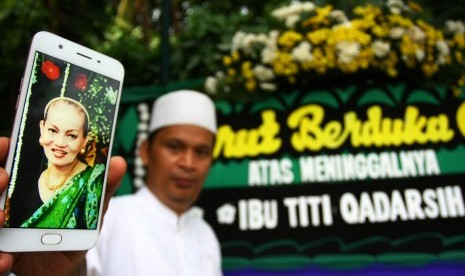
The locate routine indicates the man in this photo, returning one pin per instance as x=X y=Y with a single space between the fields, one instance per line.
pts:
x=156 y=231
x=50 y=263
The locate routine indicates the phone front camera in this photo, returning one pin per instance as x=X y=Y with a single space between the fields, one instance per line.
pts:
x=60 y=46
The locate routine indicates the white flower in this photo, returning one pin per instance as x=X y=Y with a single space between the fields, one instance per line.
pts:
x=139 y=171
x=291 y=14
x=443 y=50
x=268 y=55
x=339 y=16
x=138 y=182
x=420 y=54
x=268 y=86
x=144 y=113
x=272 y=38
x=263 y=73
x=455 y=27
x=142 y=107
x=416 y=34
x=144 y=116
x=210 y=85
x=381 y=48
x=302 y=52
x=347 y=51
x=138 y=162
x=142 y=136
x=143 y=126
x=247 y=42
x=441 y=60
x=396 y=6
x=442 y=47
x=395 y=10
x=291 y=20
x=226 y=214
x=397 y=32
x=296 y=8
x=236 y=42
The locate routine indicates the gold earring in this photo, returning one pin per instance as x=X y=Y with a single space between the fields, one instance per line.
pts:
x=83 y=150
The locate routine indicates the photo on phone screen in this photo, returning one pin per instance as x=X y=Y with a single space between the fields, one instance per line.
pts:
x=62 y=149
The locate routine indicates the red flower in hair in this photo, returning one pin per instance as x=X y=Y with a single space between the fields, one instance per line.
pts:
x=81 y=82
x=50 y=70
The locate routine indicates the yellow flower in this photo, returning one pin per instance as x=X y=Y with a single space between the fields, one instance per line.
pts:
x=429 y=69
x=392 y=72
x=289 y=39
x=321 y=17
x=367 y=11
x=414 y=6
x=235 y=56
x=398 y=20
x=227 y=60
x=283 y=65
x=250 y=85
x=459 y=39
x=461 y=81
x=387 y=41
x=231 y=72
x=319 y=36
x=458 y=56
x=380 y=30
x=291 y=79
x=320 y=62
x=247 y=70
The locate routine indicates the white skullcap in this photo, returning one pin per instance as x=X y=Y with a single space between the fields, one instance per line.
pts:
x=183 y=107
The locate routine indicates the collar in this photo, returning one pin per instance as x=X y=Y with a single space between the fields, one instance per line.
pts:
x=159 y=210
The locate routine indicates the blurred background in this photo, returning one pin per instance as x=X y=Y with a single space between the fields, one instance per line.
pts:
x=158 y=41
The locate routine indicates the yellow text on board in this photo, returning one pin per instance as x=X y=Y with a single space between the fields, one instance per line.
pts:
x=311 y=132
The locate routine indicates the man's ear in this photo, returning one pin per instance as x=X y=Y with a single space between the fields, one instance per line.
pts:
x=144 y=152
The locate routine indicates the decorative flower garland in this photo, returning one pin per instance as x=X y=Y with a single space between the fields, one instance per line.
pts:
x=321 y=41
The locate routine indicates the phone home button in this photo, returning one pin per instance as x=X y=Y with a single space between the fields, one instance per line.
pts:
x=50 y=239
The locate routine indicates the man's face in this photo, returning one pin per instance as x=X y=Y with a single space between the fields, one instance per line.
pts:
x=178 y=160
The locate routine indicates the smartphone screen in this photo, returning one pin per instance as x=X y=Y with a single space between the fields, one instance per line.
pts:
x=62 y=147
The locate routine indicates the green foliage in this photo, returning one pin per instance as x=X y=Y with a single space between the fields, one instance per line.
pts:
x=140 y=57
x=20 y=20
x=200 y=34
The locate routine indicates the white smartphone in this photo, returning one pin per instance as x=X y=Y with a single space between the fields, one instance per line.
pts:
x=60 y=147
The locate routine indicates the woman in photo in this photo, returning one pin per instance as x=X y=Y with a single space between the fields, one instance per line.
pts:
x=69 y=188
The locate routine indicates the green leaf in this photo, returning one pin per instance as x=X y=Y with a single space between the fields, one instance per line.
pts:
x=396 y=91
x=442 y=91
x=126 y=132
x=270 y=103
x=346 y=93
x=224 y=107
x=421 y=96
x=323 y=97
x=375 y=96
x=289 y=98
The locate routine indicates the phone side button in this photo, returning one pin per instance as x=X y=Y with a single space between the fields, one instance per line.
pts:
x=50 y=239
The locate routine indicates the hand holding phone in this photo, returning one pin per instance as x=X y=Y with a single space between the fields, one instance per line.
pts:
x=65 y=262
x=60 y=147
